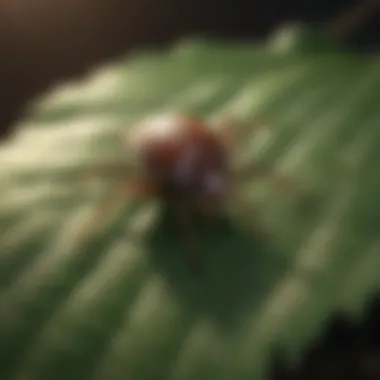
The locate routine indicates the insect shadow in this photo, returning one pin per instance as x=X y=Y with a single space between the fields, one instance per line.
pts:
x=238 y=270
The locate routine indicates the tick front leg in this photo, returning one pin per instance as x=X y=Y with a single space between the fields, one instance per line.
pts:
x=131 y=189
x=257 y=169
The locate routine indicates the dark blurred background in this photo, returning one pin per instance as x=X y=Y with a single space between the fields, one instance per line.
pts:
x=43 y=41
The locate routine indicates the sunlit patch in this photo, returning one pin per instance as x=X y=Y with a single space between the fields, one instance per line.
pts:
x=160 y=127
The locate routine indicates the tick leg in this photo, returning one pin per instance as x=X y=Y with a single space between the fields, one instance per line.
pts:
x=136 y=189
x=114 y=169
x=257 y=169
x=211 y=211
x=245 y=210
x=235 y=135
x=190 y=239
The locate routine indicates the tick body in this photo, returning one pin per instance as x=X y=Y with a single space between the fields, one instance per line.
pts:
x=184 y=160
x=185 y=163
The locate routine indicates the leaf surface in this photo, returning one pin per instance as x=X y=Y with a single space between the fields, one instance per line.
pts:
x=124 y=305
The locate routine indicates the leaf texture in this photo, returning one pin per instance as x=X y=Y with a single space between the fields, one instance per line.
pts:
x=124 y=305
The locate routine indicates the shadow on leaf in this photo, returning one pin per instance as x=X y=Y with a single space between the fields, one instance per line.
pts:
x=238 y=270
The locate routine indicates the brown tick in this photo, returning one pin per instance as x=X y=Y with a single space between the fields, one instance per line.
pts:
x=186 y=164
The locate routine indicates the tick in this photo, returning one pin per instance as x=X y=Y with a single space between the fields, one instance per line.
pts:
x=186 y=163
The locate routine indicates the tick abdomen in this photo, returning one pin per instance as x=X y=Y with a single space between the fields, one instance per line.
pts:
x=183 y=154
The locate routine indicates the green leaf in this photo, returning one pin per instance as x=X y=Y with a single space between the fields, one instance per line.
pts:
x=300 y=38
x=125 y=306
